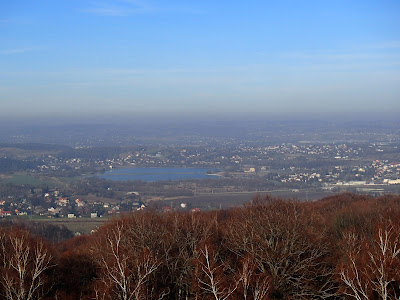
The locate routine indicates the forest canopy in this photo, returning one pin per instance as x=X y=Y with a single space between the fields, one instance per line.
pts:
x=340 y=247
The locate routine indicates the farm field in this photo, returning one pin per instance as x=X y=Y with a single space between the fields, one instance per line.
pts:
x=81 y=225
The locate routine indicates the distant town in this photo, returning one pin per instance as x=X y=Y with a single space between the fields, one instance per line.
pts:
x=338 y=164
x=303 y=162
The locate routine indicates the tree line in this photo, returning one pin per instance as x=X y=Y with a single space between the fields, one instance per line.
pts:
x=341 y=247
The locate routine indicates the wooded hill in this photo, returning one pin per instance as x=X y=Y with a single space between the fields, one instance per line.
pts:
x=341 y=247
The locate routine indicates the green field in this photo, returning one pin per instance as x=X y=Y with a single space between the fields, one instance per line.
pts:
x=23 y=179
x=35 y=180
x=82 y=225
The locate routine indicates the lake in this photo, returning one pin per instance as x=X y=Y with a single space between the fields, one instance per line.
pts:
x=155 y=174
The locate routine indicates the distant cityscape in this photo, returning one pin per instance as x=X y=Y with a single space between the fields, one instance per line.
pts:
x=62 y=180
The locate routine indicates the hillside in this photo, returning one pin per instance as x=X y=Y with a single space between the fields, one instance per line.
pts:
x=339 y=247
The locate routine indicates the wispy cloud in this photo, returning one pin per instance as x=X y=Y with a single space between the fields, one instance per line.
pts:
x=120 y=8
x=123 y=8
x=387 y=45
x=17 y=21
x=387 y=51
x=362 y=59
x=340 y=56
x=19 y=50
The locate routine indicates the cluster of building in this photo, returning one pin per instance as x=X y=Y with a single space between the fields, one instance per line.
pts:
x=234 y=156
x=56 y=205
x=376 y=172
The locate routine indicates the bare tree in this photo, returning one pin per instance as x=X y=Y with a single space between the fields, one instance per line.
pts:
x=372 y=266
x=253 y=286
x=183 y=233
x=351 y=275
x=124 y=273
x=211 y=278
x=286 y=246
x=24 y=263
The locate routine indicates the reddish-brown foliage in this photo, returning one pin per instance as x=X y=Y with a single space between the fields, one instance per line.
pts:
x=342 y=247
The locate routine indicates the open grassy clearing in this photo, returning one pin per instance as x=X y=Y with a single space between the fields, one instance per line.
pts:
x=24 y=179
x=82 y=225
x=19 y=153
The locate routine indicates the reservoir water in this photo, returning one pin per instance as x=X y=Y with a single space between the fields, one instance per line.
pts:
x=155 y=174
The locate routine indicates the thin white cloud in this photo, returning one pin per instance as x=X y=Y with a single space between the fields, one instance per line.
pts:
x=123 y=8
x=341 y=56
x=120 y=8
x=107 y=11
x=139 y=4
x=366 y=58
x=378 y=52
x=387 y=45
x=18 y=21
x=19 y=50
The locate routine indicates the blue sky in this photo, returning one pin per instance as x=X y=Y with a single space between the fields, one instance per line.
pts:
x=116 y=57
